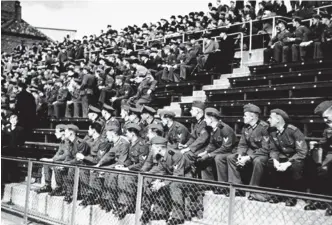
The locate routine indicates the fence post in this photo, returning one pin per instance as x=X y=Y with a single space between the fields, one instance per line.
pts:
x=273 y=26
x=183 y=38
x=139 y=199
x=75 y=193
x=250 y=38
x=231 y=205
x=241 y=49
x=27 y=194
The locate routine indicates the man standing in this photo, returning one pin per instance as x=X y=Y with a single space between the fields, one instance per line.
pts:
x=87 y=89
x=253 y=149
x=322 y=168
x=59 y=156
x=288 y=153
x=177 y=133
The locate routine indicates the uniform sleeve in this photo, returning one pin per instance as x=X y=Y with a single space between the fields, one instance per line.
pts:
x=107 y=158
x=196 y=143
x=229 y=139
x=127 y=93
x=84 y=82
x=92 y=158
x=274 y=152
x=265 y=144
x=143 y=153
x=301 y=147
x=183 y=133
x=191 y=56
x=243 y=146
x=211 y=147
x=179 y=167
x=148 y=163
x=122 y=155
x=62 y=153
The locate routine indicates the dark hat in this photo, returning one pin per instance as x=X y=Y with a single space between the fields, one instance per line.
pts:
x=317 y=16
x=322 y=107
x=133 y=126
x=198 y=104
x=113 y=128
x=72 y=127
x=61 y=127
x=167 y=113
x=94 y=109
x=148 y=109
x=156 y=126
x=281 y=113
x=159 y=141
x=108 y=108
x=282 y=21
x=172 y=17
x=251 y=108
x=120 y=77
x=212 y=112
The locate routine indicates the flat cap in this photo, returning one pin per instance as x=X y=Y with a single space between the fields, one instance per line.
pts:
x=72 y=127
x=94 y=109
x=198 y=104
x=108 y=107
x=281 y=113
x=251 y=108
x=322 y=107
x=133 y=126
x=167 y=113
x=148 y=109
x=213 y=112
x=156 y=126
x=113 y=128
x=60 y=127
x=159 y=141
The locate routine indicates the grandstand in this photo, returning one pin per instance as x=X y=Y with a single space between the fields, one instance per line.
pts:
x=296 y=87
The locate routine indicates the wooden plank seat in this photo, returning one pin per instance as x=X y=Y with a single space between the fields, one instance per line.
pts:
x=185 y=87
x=281 y=78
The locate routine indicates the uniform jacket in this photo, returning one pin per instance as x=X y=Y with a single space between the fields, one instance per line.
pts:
x=138 y=152
x=326 y=142
x=289 y=144
x=118 y=154
x=211 y=46
x=177 y=133
x=280 y=37
x=190 y=58
x=63 y=95
x=222 y=140
x=88 y=84
x=170 y=59
x=301 y=34
x=96 y=153
x=51 y=95
x=148 y=83
x=317 y=32
x=77 y=146
x=254 y=140
x=62 y=152
x=199 y=137
x=125 y=91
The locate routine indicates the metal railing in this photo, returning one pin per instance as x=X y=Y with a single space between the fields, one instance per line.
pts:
x=205 y=202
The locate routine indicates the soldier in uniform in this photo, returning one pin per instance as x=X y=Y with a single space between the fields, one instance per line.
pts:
x=253 y=150
x=74 y=105
x=288 y=153
x=87 y=89
x=51 y=95
x=147 y=118
x=176 y=132
x=76 y=145
x=123 y=92
x=117 y=157
x=320 y=182
x=189 y=62
x=107 y=88
x=170 y=162
x=138 y=152
x=277 y=43
x=221 y=143
x=59 y=156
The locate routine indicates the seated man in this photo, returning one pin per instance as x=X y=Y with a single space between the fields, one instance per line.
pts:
x=210 y=46
x=147 y=118
x=321 y=183
x=167 y=74
x=274 y=52
x=221 y=144
x=123 y=91
x=177 y=133
x=288 y=153
x=107 y=88
x=253 y=150
x=60 y=104
x=189 y=62
x=59 y=156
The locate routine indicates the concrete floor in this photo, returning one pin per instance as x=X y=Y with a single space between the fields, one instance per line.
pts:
x=10 y=219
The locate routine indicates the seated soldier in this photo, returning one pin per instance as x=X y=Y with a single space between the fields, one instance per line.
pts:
x=76 y=145
x=210 y=46
x=110 y=120
x=59 y=105
x=147 y=118
x=107 y=88
x=321 y=168
x=288 y=153
x=59 y=156
x=252 y=152
x=156 y=192
x=74 y=104
x=275 y=52
x=189 y=62
x=176 y=132
x=127 y=188
x=167 y=74
x=221 y=144
x=116 y=157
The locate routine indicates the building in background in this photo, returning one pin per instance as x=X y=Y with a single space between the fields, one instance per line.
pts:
x=57 y=34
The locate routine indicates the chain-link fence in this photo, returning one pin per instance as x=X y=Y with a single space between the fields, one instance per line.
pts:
x=82 y=195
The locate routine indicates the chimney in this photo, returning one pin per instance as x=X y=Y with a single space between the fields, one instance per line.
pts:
x=18 y=11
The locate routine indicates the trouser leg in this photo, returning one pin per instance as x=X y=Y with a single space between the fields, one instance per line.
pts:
x=221 y=166
x=234 y=175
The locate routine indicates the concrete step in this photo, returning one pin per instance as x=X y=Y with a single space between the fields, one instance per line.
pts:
x=215 y=87
x=188 y=99
x=199 y=94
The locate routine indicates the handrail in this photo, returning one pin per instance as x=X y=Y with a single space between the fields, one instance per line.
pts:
x=322 y=7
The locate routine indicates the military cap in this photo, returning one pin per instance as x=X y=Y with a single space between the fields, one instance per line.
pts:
x=213 y=112
x=113 y=128
x=133 y=126
x=148 y=109
x=167 y=113
x=108 y=107
x=156 y=126
x=172 y=17
x=281 y=113
x=198 y=104
x=251 y=108
x=72 y=127
x=282 y=21
x=322 y=107
x=94 y=109
x=61 y=127
x=159 y=141
x=144 y=53
x=120 y=77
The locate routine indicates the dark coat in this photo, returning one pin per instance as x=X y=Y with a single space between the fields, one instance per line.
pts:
x=26 y=109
